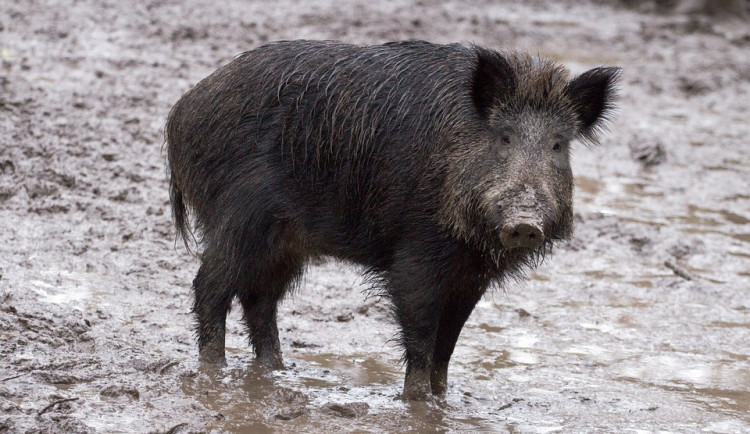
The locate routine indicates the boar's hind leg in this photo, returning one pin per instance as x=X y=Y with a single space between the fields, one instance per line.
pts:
x=213 y=299
x=457 y=307
x=259 y=300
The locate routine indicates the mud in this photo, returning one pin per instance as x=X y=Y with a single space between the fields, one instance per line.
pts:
x=641 y=323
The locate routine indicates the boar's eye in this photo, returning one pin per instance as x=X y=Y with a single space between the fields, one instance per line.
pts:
x=505 y=139
x=556 y=146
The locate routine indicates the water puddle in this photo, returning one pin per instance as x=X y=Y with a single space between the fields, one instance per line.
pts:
x=718 y=387
x=298 y=399
x=59 y=294
x=67 y=286
x=588 y=186
x=729 y=324
x=360 y=370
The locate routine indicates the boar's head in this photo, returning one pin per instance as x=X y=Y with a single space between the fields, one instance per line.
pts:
x=509 y=183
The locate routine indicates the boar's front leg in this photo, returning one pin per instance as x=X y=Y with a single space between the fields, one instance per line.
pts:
x=414 y=290
x=458 y=302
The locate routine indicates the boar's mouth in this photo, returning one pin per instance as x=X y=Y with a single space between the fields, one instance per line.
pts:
x=524 y=252
x=528 y=234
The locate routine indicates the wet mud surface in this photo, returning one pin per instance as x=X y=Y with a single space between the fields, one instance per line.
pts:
x=640 y=323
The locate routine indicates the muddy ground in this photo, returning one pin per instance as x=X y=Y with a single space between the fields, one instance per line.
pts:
x=641 y=323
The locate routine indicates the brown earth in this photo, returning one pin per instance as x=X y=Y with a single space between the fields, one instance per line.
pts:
x=641 y=323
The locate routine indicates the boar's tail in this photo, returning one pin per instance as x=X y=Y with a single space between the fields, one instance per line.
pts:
x=180 y=213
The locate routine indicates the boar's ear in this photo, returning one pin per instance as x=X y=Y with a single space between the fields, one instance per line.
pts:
x=493 y=80
x=593 y=94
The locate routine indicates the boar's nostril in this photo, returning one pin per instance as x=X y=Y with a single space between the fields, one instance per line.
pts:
x=521 y=234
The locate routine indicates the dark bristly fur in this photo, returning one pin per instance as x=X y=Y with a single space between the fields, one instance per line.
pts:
x=413 y=159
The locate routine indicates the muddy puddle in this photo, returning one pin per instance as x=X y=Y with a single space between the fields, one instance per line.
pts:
x=641 y=323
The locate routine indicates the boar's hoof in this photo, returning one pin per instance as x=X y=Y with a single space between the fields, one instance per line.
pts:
x=522 y=234
x=271 y=361
x=417 y=393
x=212 y=359
x=417 y=386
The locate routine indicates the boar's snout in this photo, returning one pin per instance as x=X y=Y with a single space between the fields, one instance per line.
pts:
x=521 y=233
x=521 y=214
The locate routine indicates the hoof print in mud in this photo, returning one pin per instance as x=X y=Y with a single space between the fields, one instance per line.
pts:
x=349 y=410
x=438 y=168
x=291 y=413
x=118 y=391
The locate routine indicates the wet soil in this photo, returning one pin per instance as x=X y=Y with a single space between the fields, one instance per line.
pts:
x=641 y=323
